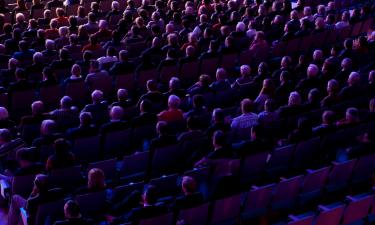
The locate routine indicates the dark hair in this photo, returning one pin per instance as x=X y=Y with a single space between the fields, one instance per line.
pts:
x=150 y=194
x=72 y=208
x=220 y=138
x=61 y=146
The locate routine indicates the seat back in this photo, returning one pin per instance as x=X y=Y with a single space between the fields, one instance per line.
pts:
x=340 y=174
x=226 y=209
x=195 y=216
x=125 y=81
x=308 y=220
x=315 y=180
x=364 y=169
x=87 y=148
x=167 y=72
x=21 y=100
x=330 y=216
x=77 y=91
x=189 y=72
x=286 y=192
x=280 y=159
x=252 y=166
x=22 y=185
x=229 y=61
x=166 y=219
x=107 y=166
x=146 y=75
x=53 y=209
x=258 y=199
x=121 y=192
x=50 y=95
x=209 y=66
x=117 y=143
x=305 y=153
x=92 y=203
x=134 y=164
x=68 y=178
x=166 y=160
x=167 y=185
x=357 y=209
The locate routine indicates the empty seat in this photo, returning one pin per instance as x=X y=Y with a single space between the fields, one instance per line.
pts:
x=340 y=175
x=329 y=215
x=257 y=201
x=357 y=209
x=22 y=185
x=93 y=203
x=134 y=166
x=209 y=66
x=123 y=191
x=165 y=160
x=306 y=152
x=280 y=159
x=286 y=193
x=194 y=216
x=313 y=184
x=125 y=81
x=167 y=185
x=229 y=61
x=117 y=143
x=167 y=72
x=253 y=166
x=363 y=169
x=227 y=209
x=189 y=72
x=69 y=178
x=87 y=148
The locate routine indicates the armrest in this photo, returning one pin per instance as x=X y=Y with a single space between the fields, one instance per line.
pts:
x=23 y=216
x=5 y=187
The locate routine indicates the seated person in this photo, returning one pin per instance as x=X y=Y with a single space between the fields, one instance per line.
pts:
x=198 y=107
x=221 y=149
x=190 y=198
x=173 y=113
x=146 y=117
x=95 y=182
x=116 y=123
x=85 y=129
x=98 y=109
x=351 y=118
x=218 y=123
x=327 y=126
x=40 y=194
x=163 y=139
x=73 y=215
x=193 y=132
x=62 y=158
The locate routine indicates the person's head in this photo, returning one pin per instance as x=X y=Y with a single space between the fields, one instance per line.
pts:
x=152 y=86
x=285 y=62
x=38 y=58
x=314 y=95
x=173 y=102
x=268 y=86
x=319 y=23
x=174 y=83
x=122 y=94
x=61 y=146
x=37 y=107
x=48 y=74
x=97 y=96
x=150 y=195
x=12 y=63
x=4 y=115
x=94 y=65
x=219 y=139
x=204 y=80
x=345 y=16
x=190 y=51
x=20 y=18
x=73 y=22
x=328 y=117
x=20 y=74
x=124 y=55
x=72 y=210
x=85 y=118
x=221 y=74
x=48 y=127
x=66 y=102
x=348 y=43
x=189 y=185
x=23 y=46
x=245 y=71
x=24 y=157
x=218 y=115
x=354 y=78
x=352 y=115
x=307 y=11
x=333 y=86
x=40 y=183
x=318 y=55
x=63 y=31
x=53 y=24
x=64 y=54
x=5 y=136
x=60 y=12
x=76 y=70
x=96 y=179
x=115 y=5
x=246 y=106
x=87 y=55
x=346 y=64
x=294 y=99
x=162 y=128
x=312 y=71
x=116 y=113
x=50 y=44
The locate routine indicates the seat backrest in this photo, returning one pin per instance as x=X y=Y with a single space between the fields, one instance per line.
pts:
x=120 y=192
x=166 y=219
x=66 y=178
x=116 y=143
x=305 y=152
x=167 y=185
x=340 y=173
x=87 y=148
x=315 y=180
x=357 y=209
x=286 y=191
x=107 y=166
x=189 y=71
x=258 y=199
x=22 y=185
x=226 y=209
x=364 y=169
x=308 y=220
x=253 y=165
x=125 y=81
x=166 y=160
x=197 y=215
x=280 y=158
x=330 y=216
x=92 y=203
x=146 y=75
x=22 y=99
x=167 y=72
x=77 y=90
x=50 y=95
x=53 y=209
x=209 y=66
x=133 y=164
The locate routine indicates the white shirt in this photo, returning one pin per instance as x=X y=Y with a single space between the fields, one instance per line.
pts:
x=244 y=121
